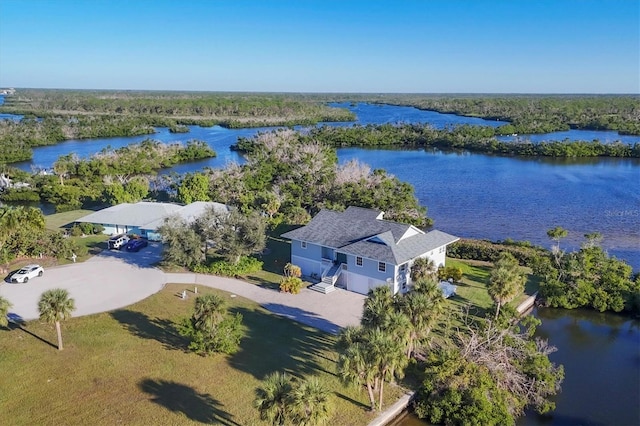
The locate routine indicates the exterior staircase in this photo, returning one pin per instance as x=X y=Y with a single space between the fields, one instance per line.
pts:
x=327 y=285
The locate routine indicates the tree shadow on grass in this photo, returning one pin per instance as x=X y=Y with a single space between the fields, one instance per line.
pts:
x=16 y=322
x=353 y=401
x=305 y=317
x=162 y=330
x=273 y=343
x=180 y=398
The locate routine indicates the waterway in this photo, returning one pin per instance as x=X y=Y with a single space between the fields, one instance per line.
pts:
x=469 y=195
x=482 y=196
x=601 y=358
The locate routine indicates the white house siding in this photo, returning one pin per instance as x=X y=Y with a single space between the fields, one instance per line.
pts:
x=357 y=283
x=438 y=256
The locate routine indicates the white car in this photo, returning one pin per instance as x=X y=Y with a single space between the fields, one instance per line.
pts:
x=26 y=273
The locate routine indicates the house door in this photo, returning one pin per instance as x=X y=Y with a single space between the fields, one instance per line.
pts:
x=341 y=258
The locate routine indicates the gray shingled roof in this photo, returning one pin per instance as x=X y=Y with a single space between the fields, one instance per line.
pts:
x=352 y=232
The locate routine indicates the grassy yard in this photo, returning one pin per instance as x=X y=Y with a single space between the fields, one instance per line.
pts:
x=62 y=220
x=129 y=367
x=472 y=290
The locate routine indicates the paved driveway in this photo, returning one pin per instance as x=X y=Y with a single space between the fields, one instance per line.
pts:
x=105 y=282
x=115 y=279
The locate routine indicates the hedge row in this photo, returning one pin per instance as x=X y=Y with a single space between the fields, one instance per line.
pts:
x=489 y=251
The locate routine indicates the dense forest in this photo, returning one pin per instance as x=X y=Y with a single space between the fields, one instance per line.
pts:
x=226 y=109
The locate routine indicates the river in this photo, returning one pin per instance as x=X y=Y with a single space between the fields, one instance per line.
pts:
x=483 y=196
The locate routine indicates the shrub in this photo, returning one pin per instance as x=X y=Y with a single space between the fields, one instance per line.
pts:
x=291 y=285
x=76 y=231
x=19 y=194
x=489 y=251
x=452 y=272
x=291 y=270
x=246 y=265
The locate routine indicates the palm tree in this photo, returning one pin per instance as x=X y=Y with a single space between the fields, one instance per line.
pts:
x=377 y=306
x=310 y=403
x=506 y=280
x=398 y=327
x=273 y=398
x=354 y=366
x=423 y=268
x=387 y=356
x=55 y=305
x=209 y=311
x=422 y=308
x=4 y=311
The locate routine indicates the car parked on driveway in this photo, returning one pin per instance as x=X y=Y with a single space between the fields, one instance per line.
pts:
x=118 y=242
x=136 y=244
x=25 y=273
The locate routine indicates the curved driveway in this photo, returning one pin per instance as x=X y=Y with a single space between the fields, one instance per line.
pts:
x=113 y=280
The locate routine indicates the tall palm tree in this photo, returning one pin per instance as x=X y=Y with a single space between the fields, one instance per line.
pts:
x=387 y=356
x=423 y=310
x=209 y=311
x=377 y=306
x=354 y=366
x=506 y=280
x=273 y=398
x=4 y=311
x=54 y=306
x=310 y=403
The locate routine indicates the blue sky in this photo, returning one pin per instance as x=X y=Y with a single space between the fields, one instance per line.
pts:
x=449 y=46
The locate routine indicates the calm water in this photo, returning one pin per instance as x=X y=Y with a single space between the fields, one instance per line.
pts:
x=481 y=196
x=469 y=195
x=601 y=358
x=472 y=195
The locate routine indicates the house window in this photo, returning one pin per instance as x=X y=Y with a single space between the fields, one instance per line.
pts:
x=382 y=267
x=442 y=249
x=358 y=261
x=303 y=244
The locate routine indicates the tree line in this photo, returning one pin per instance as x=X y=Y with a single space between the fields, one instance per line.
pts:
x=534 y=113
x=464 y=137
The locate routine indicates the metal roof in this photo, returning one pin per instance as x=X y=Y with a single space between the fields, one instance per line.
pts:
x=147 y=215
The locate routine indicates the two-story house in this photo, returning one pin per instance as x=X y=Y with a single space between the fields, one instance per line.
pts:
x=359 y=250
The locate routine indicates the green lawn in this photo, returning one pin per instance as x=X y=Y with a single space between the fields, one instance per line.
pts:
x=61 y=220
x=472 y=290
x=130 y=367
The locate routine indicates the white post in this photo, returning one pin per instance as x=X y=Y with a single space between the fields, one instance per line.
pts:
x=184 y=294
x=195 y=290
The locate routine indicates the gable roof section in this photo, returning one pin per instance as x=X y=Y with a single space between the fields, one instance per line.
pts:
x=362 y=232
